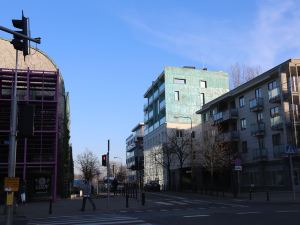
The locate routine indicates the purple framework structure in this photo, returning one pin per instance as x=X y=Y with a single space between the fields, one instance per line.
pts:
x=36 y=157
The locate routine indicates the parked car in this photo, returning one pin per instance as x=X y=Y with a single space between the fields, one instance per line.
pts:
x=152 y=186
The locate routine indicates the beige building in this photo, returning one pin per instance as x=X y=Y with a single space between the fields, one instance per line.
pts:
x=258 y=123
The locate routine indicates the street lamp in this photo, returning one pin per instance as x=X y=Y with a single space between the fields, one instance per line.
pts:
x=191 y=143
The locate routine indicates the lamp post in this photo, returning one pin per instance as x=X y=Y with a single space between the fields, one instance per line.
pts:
x=191 y=144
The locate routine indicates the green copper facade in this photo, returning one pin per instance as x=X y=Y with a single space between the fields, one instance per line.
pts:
x=181 y=91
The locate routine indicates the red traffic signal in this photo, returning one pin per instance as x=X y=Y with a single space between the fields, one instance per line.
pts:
x=104 y=160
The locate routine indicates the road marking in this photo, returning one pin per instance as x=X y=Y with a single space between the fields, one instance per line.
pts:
x=123 y=211
x=164 y=203
x=179 y=203
x=201 y=208
x=138 y=211
x=176 y=209
x=192 y=216
x=287 y=211
x=232 y=205
x=163 y=210
x=244 y=213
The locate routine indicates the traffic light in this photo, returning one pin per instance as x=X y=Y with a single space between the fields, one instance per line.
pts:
x=19 y=43
x=103 y=160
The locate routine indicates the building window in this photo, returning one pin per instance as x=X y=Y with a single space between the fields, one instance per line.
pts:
x=179 y=133
x=260 y=117
x=261 y=143
x=274 y=111
x=202 y=97
x=179 y=81
x=244 y=147
x=272 y=85
x=276 y=140
x=242 y=101
x=203 y=84
x=243 y=124
x=258 y=93
x=176 y=95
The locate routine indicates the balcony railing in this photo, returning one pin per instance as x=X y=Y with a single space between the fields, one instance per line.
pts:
x=260 y=154
x=258 y=129
x=276 y=123
x=228 y=136
x=256 y=104
x=275 y=95
x=278 y=151
x=225 y=115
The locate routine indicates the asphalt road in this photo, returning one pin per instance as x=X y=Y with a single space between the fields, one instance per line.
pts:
x=186 y=209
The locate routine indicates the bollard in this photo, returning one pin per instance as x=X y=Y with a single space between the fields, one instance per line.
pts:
x=143 y=198
x=127 y=200
x=250 y=195
x=268 y=196
x=50 y=205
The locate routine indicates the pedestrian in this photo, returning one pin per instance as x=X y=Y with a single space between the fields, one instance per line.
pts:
x=87 y=189
x=23 y=192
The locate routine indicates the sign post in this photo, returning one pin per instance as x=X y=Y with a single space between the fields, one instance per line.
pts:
x=290 y=150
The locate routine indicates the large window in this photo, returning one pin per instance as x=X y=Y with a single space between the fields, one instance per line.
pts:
x=176 y=95
x=272 y=85
x=260 y=117
x=243 y=124
x=261 y=143
x=242 y=101
x=276 y=140
x=179 y=81
x=179 y=133
x=274 y=111
x=203 y=84
x=202 y=97
x=244 y=147
x=258 y=93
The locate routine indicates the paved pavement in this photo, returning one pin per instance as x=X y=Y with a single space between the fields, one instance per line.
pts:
x=168 y=208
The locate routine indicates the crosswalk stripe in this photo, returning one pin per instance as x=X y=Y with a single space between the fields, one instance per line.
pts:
x=164 y=203
x=179 y=203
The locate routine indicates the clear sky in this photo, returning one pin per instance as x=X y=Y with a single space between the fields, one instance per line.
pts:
x=110 y=51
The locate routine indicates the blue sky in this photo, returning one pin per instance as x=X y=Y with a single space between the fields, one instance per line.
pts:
x=110 y=51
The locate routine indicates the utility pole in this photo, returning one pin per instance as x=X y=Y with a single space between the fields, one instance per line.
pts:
x=108 y=173
x=20 y=43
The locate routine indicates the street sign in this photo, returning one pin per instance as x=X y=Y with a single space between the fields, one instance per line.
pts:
x=11 y=183
x=238 y=168
x=9 y=198
x=290 y=149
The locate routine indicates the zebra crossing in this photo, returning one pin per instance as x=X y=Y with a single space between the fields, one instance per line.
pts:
x=88 y=220
x=186 y=202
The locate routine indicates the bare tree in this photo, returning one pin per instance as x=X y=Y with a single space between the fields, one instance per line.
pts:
x=240 y=74
x=162 y=155
x=180 y=144
x=213 y=154
x=88 y=164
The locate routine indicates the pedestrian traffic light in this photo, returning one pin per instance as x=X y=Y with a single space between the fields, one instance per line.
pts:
x=20 y=43
x=103 y=160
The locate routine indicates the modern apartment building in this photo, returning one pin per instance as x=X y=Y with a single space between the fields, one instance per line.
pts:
x=44 y=161
x=171 y=103
x=258 y=123
x=135 y=154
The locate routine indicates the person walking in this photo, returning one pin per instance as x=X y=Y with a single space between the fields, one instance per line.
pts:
x=86 y=191
x=23 y=192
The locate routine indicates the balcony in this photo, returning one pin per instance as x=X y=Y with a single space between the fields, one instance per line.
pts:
x=276 y=123
x=258 y=129
x=278 y=151
x=275 y=95
x=230 y=136
x=225 y=116
x=260 y=154
x=145 y=106
x=256 y=104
